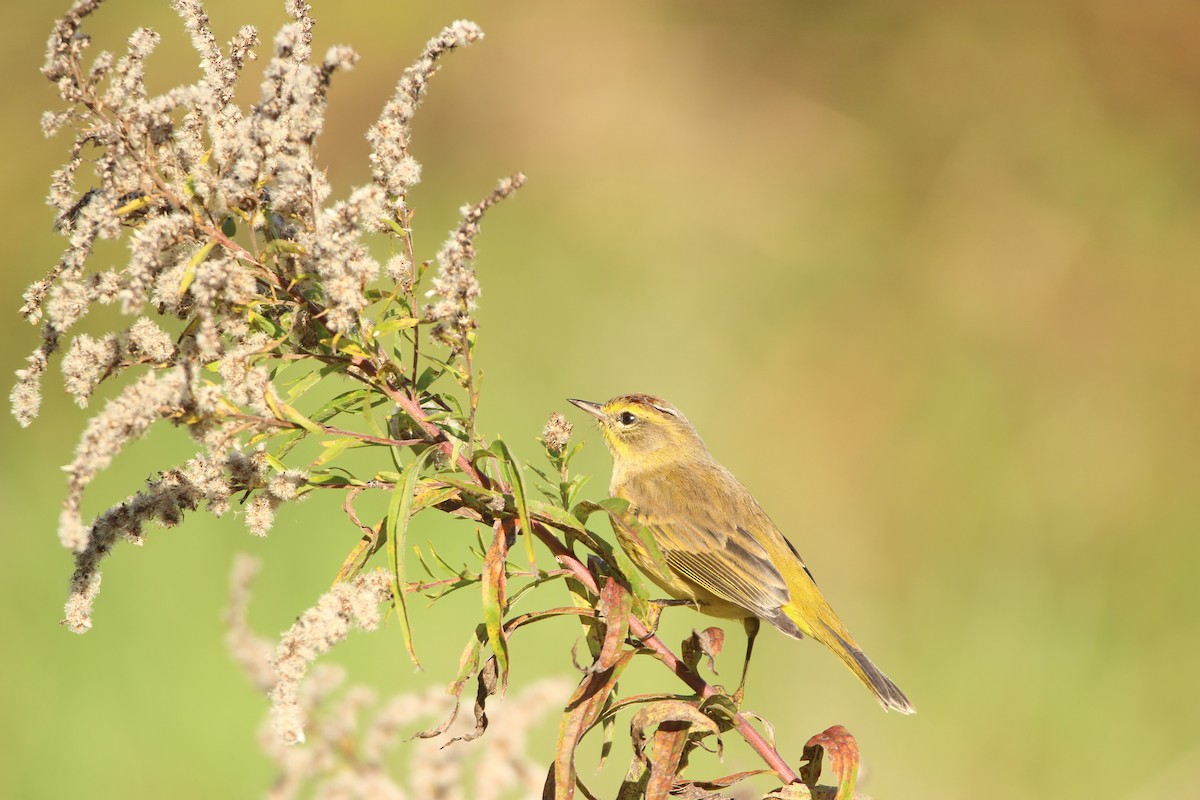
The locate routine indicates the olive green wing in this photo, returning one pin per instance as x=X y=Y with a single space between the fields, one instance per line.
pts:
x=727 y=562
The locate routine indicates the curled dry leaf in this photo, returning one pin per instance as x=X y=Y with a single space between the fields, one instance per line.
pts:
x=705 y=644
x=487 y=685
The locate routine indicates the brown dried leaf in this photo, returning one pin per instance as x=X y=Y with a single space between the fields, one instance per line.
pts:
x=687 y=790
x=703 y=644
x=792 y=791
x=798 y=791
x=486 y=686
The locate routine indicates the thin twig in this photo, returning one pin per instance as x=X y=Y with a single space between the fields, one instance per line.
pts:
x=283 y=423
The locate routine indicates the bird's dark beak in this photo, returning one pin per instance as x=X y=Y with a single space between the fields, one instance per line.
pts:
x=595 y=409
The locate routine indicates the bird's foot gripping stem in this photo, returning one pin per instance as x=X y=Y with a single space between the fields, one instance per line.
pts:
x=656 y=608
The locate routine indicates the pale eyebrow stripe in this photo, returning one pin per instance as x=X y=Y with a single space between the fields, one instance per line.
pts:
x=670 y=411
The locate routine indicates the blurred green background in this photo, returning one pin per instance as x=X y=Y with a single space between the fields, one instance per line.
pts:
x=924 y=275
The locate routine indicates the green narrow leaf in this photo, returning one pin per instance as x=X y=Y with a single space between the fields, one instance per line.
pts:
x=395 y=324
x=516 y=477
x=303 y=384
x=284 y=411
x=334 y=448
x=372 y=424
x=428 y=376
x=189 y=271
x=399 y=510
x=542 y=578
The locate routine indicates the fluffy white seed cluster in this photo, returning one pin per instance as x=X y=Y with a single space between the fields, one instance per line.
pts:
x=349 y=733
x=455 y=286
x=170 y=166
x=351 y=604
x=260 y=511
x=394 y=169
x=200 y=480
x=230 y=233
x=557 y=433
x=88 y=361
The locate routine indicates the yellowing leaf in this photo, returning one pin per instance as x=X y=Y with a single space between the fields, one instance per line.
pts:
x=494 y=584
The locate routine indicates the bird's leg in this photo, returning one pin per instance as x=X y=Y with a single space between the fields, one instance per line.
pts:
x=751 y=624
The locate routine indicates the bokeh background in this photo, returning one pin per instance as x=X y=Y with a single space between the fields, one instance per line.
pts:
x=924 y=274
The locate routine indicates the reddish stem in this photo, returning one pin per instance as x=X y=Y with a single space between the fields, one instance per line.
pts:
x=753 y=738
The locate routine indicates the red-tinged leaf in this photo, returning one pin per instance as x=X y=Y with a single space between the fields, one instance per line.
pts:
x=667 y=750
x=672 y=722
x=842 y=750
x=614 y=607
x=582 y=712
x=495 y=601
x=618 y=706
x=703 y=644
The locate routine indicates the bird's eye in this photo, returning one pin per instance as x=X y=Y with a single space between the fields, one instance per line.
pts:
x=626 y=418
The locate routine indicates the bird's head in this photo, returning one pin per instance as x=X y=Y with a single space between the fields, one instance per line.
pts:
x=643 y=431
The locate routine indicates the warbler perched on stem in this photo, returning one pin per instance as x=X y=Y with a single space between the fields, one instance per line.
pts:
x=718 y=549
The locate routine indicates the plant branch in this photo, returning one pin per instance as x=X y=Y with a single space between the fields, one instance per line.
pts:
x=748 y=732
x=283 y=423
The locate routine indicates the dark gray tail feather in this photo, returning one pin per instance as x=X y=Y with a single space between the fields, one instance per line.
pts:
x=888 y=693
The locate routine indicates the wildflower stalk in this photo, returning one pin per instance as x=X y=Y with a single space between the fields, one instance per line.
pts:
x=249 y=288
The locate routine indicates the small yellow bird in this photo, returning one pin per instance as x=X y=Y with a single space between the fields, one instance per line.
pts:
x=722 y=552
